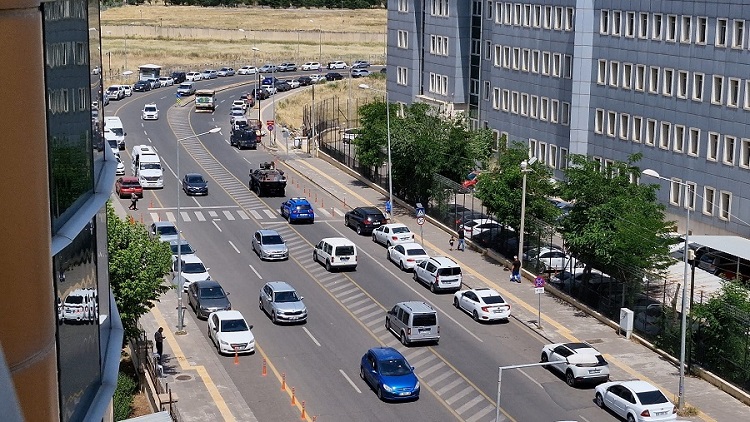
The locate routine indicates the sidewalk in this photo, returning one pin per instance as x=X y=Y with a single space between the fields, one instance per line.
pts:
x=560 y=321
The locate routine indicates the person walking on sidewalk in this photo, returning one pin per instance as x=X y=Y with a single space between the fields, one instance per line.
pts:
x=515 y=274
x=133 y=202
x=159 y=342
x=461 y=241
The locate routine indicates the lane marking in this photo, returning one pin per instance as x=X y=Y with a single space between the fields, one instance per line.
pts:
x=531 y=378
x=311 y=336
x=196 y=201
x=232 y=245
x=354 y=386
x=255 y=271
x=217 y=226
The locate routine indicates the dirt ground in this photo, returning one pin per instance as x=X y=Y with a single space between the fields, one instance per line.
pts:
x=141 y=405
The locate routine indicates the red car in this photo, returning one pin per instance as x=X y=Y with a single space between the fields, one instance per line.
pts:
x=471 y=180
x=125 y=186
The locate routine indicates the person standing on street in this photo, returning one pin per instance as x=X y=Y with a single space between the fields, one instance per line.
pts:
x=451 y=240
x=133 y=202
x=461 y=241
x=515 y=274
x=159 y=342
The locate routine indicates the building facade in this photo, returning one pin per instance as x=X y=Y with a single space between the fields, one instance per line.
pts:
x=60 y=332
x=603 y=78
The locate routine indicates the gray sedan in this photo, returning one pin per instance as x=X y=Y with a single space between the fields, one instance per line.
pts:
x=207 y=296
x=269 y=245
x=280 y=301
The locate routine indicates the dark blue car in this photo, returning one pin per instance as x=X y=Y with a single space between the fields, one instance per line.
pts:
x=297 y=210
x=194 y=184
x=387 y=372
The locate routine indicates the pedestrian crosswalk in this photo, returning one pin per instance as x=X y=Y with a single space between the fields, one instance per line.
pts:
x=194 y=214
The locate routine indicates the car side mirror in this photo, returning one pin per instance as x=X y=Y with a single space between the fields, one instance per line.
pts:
x=412 y=368
x=250 y=327
x=207 y=269
x=301 y=298
x=227 y=293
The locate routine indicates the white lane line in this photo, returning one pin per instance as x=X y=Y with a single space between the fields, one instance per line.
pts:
x=532 y=379
x=196 y=201
x=354 y=386
x=256 y=215
x=248 y=161
x=311 y=336
x=171 y=171
x=149 y=139
x=243 y=215
x=154 y=216
x=213 y=214
x=255 y=271
x=199 y=215
x=232 y=245
x=217 y=226
x=170 y=217
x=270 y=213
x=228 y=215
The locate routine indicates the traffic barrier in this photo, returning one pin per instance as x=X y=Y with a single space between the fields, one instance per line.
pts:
x=141 y=218
x=304 y=414
x=283 y=381
x=151 y=204
x=294 y=399
x=236 y=357
x=264 y=371
x=316 y=197
x=321 y=203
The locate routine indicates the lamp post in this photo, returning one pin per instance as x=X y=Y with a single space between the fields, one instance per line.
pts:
x=683 y=328
x=388 y=131
x=257 y=87
x=180 y=281
x=525 y=169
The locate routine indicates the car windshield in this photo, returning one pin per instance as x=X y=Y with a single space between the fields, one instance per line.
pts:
x=234 y=325
x=130 y=184
x=195 y=179
x=303 y=207
x=491 y=300
x=651 y=397
x=273 y=239
x=424 y=320
x=449 y=271
x=117 y=131
x=212 y=293
x=394 y=367
x=416 y=251
x=150 y=166
x=185 y=86
x=71 y=300
x=113 y=89
x=193 y=268
x=184 y=249
x=150 y=109
x=166 y=230
x=401 y=230
x=112 y=143
x=281 y=297
x=344 y=250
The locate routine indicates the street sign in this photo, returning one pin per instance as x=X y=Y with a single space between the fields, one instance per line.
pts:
x=420 y=212
x=270 y=128
x=539 y=290
x=539 y=281
x=420 y=220
x=270 y=122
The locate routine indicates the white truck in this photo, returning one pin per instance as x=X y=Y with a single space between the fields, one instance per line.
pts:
x=114 y=125
x=146 y=166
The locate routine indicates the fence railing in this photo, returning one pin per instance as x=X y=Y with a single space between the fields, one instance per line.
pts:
x=146 y=361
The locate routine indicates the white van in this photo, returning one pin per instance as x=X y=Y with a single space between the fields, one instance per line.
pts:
x=336 y=252
x=146 y=166
x=114 y=124
x=80 y=306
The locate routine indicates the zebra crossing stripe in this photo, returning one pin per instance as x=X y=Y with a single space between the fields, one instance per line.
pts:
x=199 y=215
x=339 y=212
x=213 y=214
x=185 y=216
x=154 y=216
x=228 y=215
x=324 y=212
x=270 y=213
x=482 y=412
x=256 y=214
x=170 y=217
x=243 y=215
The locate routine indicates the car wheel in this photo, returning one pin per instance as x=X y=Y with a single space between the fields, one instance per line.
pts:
x=380 y=393
x=455 y=302
x=631 y=418
x=374 y=239
x=388 y=324
x=388 y=244
x=359 y=229
x=361 y=372
x=475 y=315
x=273 y=317
x=388 y=255
x=315 y=256
x=260 y=305
x=346 y=221
x=414 y=276
x=544 y=358
x=599 y=400
x=401 y=266
x=433 y=289
x=569 y=378
x=328 y=265
x=404 y=341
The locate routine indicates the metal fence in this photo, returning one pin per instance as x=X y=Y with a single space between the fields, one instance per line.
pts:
x=145 y=361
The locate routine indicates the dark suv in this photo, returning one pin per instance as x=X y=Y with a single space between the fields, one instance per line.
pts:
x=179 y=77
x=364 y=219
x=244 y=138
x=260 y=93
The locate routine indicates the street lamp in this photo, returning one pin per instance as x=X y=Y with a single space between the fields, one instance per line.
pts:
x=388 y=131
x=180 y=281
x=525 y=169
x=683 y=329
x=257 y=86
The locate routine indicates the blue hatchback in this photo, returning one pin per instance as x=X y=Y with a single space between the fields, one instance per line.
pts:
x=389 y=374
x=297 y=209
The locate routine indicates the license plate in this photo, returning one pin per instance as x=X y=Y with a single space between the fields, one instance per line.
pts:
x=404 y=393
x=346 y=258
x=660 y=413
x=376 y=223
x=594 y=371
x=424 y=330
x=497 y=311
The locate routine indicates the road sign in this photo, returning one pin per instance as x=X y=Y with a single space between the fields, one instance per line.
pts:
x=270 y=128
x=270 y=122
x=420 y=220
x=539 y=290
x=539 y=282
x=420 y=212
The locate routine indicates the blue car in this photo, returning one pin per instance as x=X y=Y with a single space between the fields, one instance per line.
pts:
x=297 y=210
x=386 y=371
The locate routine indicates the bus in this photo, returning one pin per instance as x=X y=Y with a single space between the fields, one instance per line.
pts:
x=205 y=100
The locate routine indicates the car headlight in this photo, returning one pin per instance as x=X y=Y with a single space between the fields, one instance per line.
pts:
x=416 y=386
x=388 y=388
x=226 y=343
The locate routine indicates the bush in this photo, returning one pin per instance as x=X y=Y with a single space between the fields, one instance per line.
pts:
x=123 y=398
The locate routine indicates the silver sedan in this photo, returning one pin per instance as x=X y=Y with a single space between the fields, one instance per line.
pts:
x=269 y=245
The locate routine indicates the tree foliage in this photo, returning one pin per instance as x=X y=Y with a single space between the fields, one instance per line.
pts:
x=616 y=225
x=137 y=265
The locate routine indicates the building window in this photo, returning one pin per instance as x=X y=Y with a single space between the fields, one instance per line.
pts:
x=611 y=123
x=506 y=100
x=536 y=18
x=438 y=45
x=643 y=25
x=474 y=86
x=664 y=134
x=569 y=18
x=563 y=158
x=712 y=153
x=476 y=47
x=599 y=121
x=698 y=86
x=498 y=55
x=653 y=80
x=747 y=95
x=650 y=132
x=725 y=205
x=438 y=84
x=616 y=22
x=507 y=13
x=440 y=8
x=733 y=93
x=403 y=39
x=637 y=129
x=686 y=29
x=527 y=15
x=567 y=66
x=554 y=110
x=403 y=5
x=542 y=153
x=675 y=190
x=701 y=29
x=729 y=145
x=717 y=90
x=516 y=58
x=524 y=104
x=721 y=32
x=627 y=75
x=682 y=84
x=547 y=17
x=709 y=195
x=552 y=156
x=525 y=53
x=534 y=107
x=559 y=12
x=624 y=126
x=667 y=82
x=488 y=11
x=640 y=77
x=556 y=59
x=532 y=148
x=486 y=91
x=488 y=50
x=402 y=77
x=738 y=33
x=506 y=57
x=679 y=139
x=565 y=116
x=657 y=27
x=535 y=61
x=517 y=12
x=544 y=108
x=496 y=98
x=690 y=193
x=545 y=62
x=671 y=28
x=604 y=22
x=745 y=153
x=614 y=73
x=514 y=102
x=601 y=74
x=694 y=143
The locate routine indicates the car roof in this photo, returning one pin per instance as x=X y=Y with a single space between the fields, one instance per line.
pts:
x=191 y=259
x=417 y=306
x=181 y=241
x=281 y=286
x=129 y=179
x=444 y=261
x=193 y=174
x=386 y=353
x=299 y=201
x=638 y=386
x=267 y=232
x=394 y=225
x=207 y=283
x=337 y=241
x=370 y=210
x=229 y=314
x=163 y=224
x=411 y=245
x=582 y=348
x=485 y=292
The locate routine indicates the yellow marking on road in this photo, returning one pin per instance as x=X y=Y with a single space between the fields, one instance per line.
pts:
x=200 y=369
x=288 y=390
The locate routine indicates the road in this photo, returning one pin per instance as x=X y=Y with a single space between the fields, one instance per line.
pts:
x=321 y=358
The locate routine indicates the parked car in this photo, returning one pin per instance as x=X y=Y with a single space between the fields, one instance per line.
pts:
x=126 y=186
x=407 y=255
x=225 y=71
x=207 y=296
x=165 y=81
x=178 y=77
x=282 y=86
x=230 y=332
x=121 y=168
x=194 y=184
x=478 y=226
x=165 y=231
x=317 y=79
x=439 y=273
x=268 y=68
x=115 y=92
x=287 y=67
x=280 y=301
x=297 y=209
x=209 y=74
x=247 y=70
x=183 y=247
x=142 y=86
x=635 y=401
x=269 y=245
x=150 y=112
x=334 y=76
x=392 y=234
x=193 y=76
x=293 y=83
x=576 y=373
x=364 y=219
x=128 y=90
x=304 y=81
x=271 y=89
x=260 y=93
x=360 y=64
x=337 y=65
x=155 y=83
x=360 y=73
x=386 y=371
x=192 y=270
x=546 y=259
x=311 y=66
x=483 y=304
x=350 y=134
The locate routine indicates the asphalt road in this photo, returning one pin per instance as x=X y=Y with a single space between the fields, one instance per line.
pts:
x=347 y=310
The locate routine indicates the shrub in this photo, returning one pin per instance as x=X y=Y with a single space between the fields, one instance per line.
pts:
x=123 y=398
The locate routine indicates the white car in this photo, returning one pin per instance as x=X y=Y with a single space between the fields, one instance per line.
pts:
x=474 y=227
x=128 y=90
x=230 y=333
x=166 y=81
x=235 y=114
x=549 y=259
x=193 y=76
x=407 y=255
x=239 y=103
x=392 y=234
x=483 y=304
x=185 y=249
x=337 y=65
x=150 y=112
x=120 y=167
x=350 y=135
x=270 y=88
x=192 y=270
x=294 y=83
x=635 y=401
x=310 y=66
x=576 y=373
x=247 y=70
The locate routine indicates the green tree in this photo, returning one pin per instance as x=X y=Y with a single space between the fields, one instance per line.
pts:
x=616 y=225
x=137 y=265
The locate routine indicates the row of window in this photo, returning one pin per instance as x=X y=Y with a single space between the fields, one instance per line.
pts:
x=60 y=101
x=438 y=84
x=439 y=8
x=683 y=194
x=65 y=53
x=541 y=108
x=534 y=61
x=672 y=28
x=535 y=16
x=668 y=82
x=439 y=45
x=674 y=137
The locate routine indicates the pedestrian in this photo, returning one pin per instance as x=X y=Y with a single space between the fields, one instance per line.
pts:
x=451 y=240
x=515 y=274
x=461 y=241
x=159 y=342
x=133 y=202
